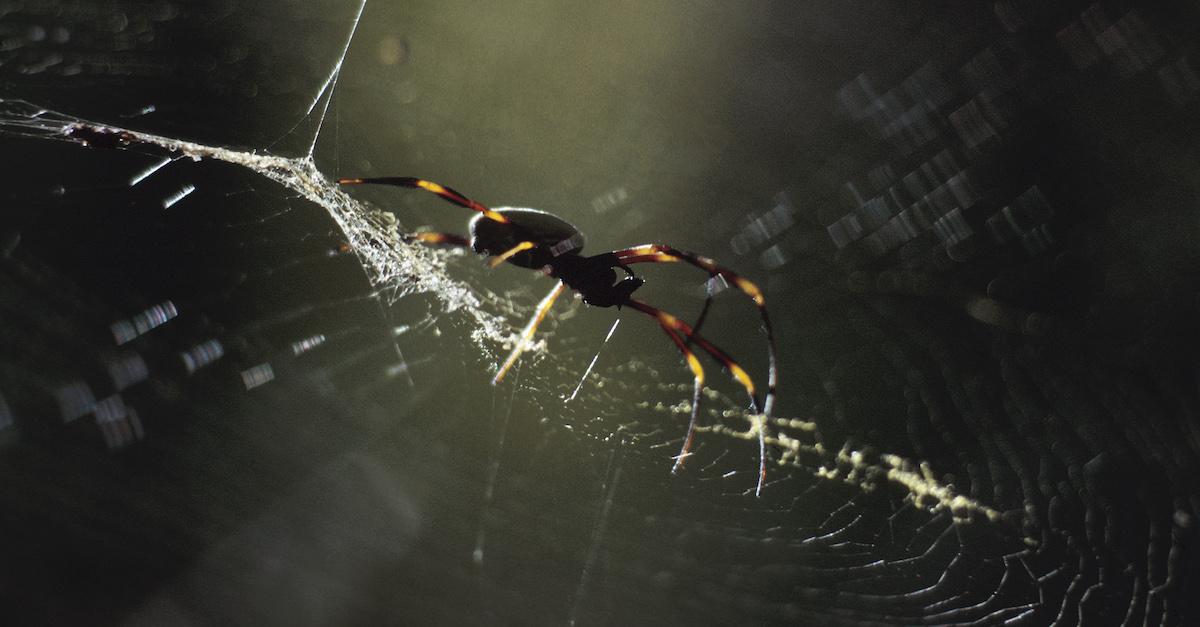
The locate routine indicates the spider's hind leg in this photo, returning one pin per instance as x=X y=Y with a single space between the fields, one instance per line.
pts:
x=434 y=237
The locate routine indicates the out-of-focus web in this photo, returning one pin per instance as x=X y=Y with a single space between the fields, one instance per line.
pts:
x=493 y=468
x=608 y=493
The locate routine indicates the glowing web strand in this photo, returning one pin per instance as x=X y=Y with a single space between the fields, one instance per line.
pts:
x=334 y=74
x=326 y=90
x=587 y=372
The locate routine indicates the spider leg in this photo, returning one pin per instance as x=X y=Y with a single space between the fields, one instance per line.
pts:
x=447 y=194
x=708 y=299
x=542 y=309
x=661 y=253
x=697 y=373
x=685 y=449
x=502 y=257
x=451 y=239
x=675 y=328
x=434 y=237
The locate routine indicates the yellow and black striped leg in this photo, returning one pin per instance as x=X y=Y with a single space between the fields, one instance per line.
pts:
x=661 y=253
x=434 y=237
x=698 y=388
x=451 y=239
x=669 y=326
x=542 y=309
x=677 y=330
x=447 y=194
x=504 y=256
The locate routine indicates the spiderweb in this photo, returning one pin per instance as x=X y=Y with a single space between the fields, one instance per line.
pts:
x=947 y=452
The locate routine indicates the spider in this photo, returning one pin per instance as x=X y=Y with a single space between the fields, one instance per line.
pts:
x=535 y=239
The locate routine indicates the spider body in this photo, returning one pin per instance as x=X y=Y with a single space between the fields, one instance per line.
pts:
x=556 y=248
x=530 y=238
x=550 y=235
x=594 y=279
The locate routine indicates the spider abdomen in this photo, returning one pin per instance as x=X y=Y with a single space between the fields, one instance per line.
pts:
x=551 y=236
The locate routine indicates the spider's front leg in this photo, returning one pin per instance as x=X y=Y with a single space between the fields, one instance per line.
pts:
x=678 y=330
x=661 y=253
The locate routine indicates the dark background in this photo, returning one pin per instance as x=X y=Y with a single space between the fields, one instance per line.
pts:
x=975 y=225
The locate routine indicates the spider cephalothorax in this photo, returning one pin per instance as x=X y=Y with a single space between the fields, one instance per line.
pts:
x=536 y=239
